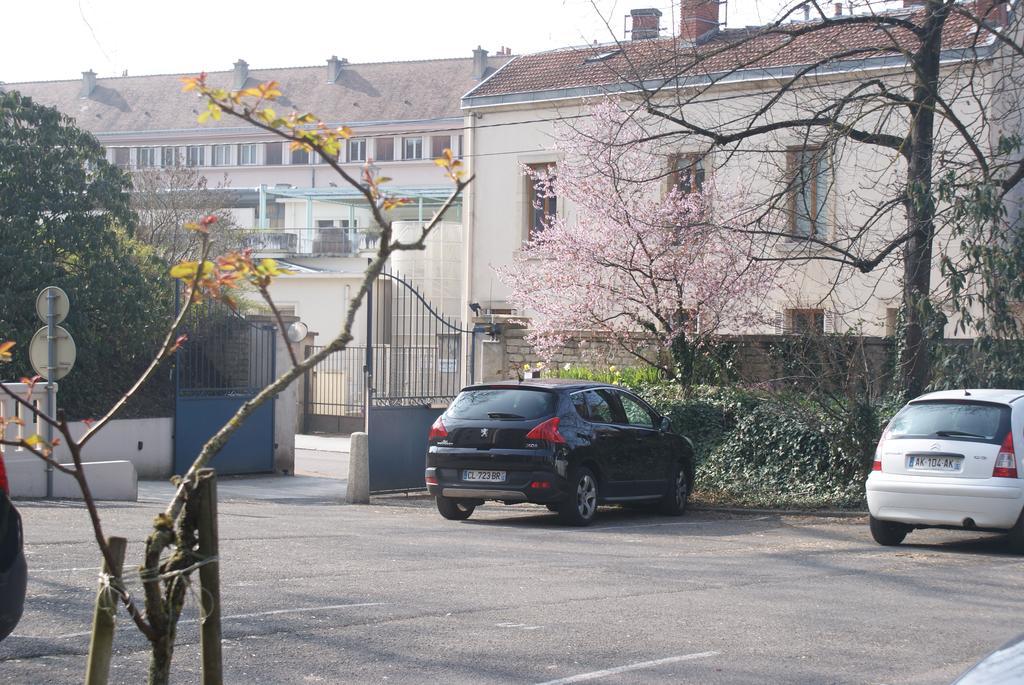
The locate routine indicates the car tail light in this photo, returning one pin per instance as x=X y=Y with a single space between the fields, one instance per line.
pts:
x=4 y=485
x=547 y=431
x=1006 y=460
x=437 y=430
x=431 y=480
x=541 y=484
x=876 y=465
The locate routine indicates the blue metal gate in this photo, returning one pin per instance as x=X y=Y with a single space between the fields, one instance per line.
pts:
x=417 y=360
x=225 y=361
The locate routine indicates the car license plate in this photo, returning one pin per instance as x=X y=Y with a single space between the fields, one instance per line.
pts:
x=485 y=476
x=920 y=462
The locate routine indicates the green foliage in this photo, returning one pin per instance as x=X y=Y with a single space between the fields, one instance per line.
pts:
x=65 y=221
x=707 y=360
x=778 y=456
x=771 y=449
x=631 y=376
x=984 y=362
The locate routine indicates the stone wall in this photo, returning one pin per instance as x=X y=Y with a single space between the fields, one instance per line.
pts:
x=780 y=359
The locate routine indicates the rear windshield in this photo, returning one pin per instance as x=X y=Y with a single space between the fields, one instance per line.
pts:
x=952 y=420
x=502 y=403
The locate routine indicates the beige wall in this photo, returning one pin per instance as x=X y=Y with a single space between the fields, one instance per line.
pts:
x=504 y=138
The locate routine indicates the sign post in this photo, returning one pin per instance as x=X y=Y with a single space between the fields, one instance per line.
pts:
x=56 y=346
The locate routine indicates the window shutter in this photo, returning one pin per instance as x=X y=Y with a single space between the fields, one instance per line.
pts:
x=780 y=323
x=830 y=321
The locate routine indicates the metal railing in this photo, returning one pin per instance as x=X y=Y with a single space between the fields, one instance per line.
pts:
x=29 y=423
x=345 y=242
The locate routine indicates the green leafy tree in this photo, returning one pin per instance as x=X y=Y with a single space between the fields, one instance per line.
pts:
x=65 y=220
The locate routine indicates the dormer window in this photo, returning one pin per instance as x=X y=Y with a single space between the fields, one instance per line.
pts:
x=600 y=57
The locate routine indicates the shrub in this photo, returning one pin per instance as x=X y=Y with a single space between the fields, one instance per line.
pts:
x=778 y=456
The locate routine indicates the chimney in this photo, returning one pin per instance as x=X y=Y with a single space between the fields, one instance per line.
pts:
x=479 y=63
x=241 y=74
x=646 y=23
x=698 y=20
x=88 y=83
x=992 y=11
x=838 y=9
x=334 y=66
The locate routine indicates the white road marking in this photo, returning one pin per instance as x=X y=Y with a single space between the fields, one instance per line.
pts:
x=231 y=617
x=594 y=675
x=301 y=610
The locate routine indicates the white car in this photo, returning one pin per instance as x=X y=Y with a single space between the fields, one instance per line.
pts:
x=947 y=460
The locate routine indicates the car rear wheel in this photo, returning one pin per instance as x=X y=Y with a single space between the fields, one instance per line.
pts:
x=454 y=509
x=1015 y=538
x=888 y=533
x=674 y=501
x=579 y=508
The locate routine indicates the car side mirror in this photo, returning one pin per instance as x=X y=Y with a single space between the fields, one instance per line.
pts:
x=665 y=426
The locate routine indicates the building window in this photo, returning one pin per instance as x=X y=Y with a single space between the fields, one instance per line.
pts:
x=686 y=321
x=122 y=156
x=384 y=149
x=194 y=155
x=221 y=155
x=438 y=144
x=804 y=321
x=145 y=157
x=300 y=156
x=272 y=153
x=412 y=148
x=809 y=179
x=686 y=172
x=357 y=150
x=543 y=205
x=449 y=348
x=169 y=157
x=247 y=154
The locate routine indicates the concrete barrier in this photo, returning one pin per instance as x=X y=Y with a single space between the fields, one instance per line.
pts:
x=108 y=480
x=146 y=443
x=26 y=473
x=358 y=470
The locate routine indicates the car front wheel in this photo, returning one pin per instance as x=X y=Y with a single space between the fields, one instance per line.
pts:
x=674 y=501
x=453 y=509
x=888 y=533
x=579 y=508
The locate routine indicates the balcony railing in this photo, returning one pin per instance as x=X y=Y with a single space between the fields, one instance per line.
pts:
x=335 y=242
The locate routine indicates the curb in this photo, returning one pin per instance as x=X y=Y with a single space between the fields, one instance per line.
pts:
x=820 y=513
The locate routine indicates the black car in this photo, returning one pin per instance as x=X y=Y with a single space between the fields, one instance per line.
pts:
x=570 y=445
x=13 y=571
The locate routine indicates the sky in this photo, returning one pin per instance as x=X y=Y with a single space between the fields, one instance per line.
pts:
x=59 y=39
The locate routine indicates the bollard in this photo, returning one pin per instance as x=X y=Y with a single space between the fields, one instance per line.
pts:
x=358 y=470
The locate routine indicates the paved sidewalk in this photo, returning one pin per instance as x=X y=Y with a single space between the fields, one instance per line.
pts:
x=321 y=475
x=325 y=456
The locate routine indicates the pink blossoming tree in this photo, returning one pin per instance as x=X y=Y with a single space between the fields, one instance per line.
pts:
x=655 y=268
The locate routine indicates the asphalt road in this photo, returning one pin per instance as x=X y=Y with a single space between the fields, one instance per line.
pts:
x=315 y=591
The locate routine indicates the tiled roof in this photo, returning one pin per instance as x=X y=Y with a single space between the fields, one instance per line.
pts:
x=636 y=61
x=383 y=91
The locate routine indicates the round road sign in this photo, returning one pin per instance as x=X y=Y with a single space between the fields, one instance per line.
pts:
x=66 y=353
x=61 y=304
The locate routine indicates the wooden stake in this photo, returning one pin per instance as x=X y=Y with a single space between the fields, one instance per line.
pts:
x=101 y=643
x=209 y=579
